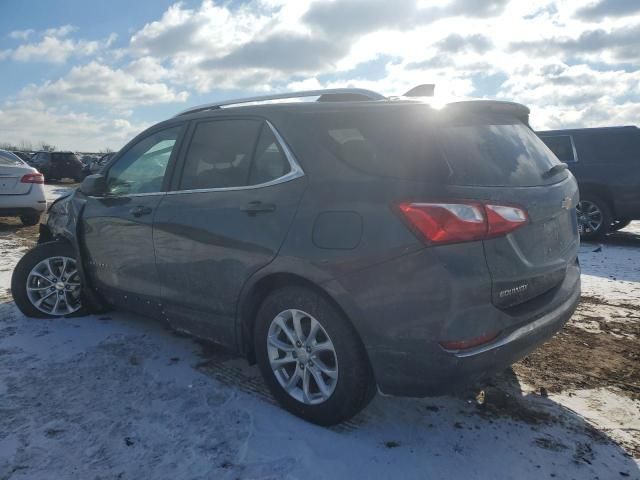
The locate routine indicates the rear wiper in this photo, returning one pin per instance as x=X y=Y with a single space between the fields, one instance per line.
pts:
x=555 y=170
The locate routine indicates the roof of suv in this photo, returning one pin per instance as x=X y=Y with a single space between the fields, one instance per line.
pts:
x=630 y=128
x=347 y=99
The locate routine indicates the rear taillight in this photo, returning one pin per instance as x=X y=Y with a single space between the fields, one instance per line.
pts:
x=32 y=178
x=462 y=221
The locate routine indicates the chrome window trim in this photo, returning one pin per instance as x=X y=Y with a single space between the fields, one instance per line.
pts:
x=295 y=172
x=573 y=145
x=130 y=195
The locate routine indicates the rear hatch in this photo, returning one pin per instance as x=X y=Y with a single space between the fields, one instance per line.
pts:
x=467 y=153
x=494 y=157
x=10 y=174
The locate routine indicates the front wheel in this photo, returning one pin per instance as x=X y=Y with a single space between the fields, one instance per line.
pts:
x=46 y=283
x=311 y=357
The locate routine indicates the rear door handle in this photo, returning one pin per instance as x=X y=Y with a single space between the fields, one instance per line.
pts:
x=258 y=207
x=140 y=210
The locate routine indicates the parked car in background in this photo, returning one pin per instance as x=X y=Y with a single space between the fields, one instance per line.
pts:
x=26 y=156
x=21 y=190
x=58 y=165
x=606 y=164
x=345 y=246
x=96 y=164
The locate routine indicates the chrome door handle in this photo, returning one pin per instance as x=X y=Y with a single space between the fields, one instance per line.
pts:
x=140 y=210
x=255 y=207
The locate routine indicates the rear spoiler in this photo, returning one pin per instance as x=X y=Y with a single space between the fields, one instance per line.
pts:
x=516 y=109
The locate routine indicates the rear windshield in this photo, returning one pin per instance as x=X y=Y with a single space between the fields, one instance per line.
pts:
x=414 y=143
x=8 y=158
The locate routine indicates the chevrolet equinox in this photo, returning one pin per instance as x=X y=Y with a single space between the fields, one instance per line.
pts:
x=347 y=245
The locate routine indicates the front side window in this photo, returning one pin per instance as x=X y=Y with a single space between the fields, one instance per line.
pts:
x=141 y=169
x=561 y=146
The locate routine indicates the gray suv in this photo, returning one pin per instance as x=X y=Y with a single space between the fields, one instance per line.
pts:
x=346 y=245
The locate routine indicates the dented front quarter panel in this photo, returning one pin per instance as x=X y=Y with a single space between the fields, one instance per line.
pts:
x=63 y=217
x=64 y=223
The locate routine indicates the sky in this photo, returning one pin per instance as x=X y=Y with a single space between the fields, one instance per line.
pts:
x=87 y=76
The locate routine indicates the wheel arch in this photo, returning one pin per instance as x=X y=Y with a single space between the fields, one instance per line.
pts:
x=254 y=294
x=601 y=191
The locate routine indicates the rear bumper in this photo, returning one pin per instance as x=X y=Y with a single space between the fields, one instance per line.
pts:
x=18 y=211
x=402 y=322
x=28 y=203
x=438 y=372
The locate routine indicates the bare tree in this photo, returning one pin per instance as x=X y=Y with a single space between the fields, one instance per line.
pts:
x=25 y=145
x=46 y=146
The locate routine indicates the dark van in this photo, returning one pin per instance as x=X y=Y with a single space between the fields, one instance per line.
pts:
x=58 y=165
x=606 y=164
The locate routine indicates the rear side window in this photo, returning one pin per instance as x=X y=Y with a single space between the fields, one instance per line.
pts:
x=390 y=143
x=219 y=155
x=269 y=162
x=418 y=144
x=232 y=153
x=561 y=146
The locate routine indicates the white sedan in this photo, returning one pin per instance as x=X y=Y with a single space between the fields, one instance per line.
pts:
x=21 y=190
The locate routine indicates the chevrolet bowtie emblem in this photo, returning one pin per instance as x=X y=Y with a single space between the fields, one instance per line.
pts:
x=566 y=203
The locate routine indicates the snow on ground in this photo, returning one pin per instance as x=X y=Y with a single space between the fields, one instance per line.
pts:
x=120 y=396
x=13 y=245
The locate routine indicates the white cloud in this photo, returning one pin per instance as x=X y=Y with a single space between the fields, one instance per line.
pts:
x=99 y=84
x=68 y=130
x=54 y=46
x=21 y=34
x=573 y=62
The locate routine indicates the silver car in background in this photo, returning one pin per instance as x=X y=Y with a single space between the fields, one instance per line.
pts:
x=21 y=190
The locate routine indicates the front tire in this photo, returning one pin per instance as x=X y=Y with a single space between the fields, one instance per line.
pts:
x=594 y=217
x=46 y=283
x=311 y=357
x=30 y=220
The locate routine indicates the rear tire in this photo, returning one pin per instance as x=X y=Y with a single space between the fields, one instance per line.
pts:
x=30 y=219
x=24 y=279
x=348 y=385
x=594 y=217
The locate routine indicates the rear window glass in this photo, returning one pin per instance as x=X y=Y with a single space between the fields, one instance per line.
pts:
x=63 y=156
x=8 y=158
x=497 y=154
x=561 y=146
x=417 y=144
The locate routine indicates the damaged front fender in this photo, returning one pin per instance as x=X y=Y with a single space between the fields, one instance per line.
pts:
x=64 y=224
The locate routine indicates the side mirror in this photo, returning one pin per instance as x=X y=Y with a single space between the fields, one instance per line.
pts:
x=94 y=185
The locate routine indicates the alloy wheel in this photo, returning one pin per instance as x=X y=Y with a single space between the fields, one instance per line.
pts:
x=589 y=217
x=53 y=286
x=302 y=357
